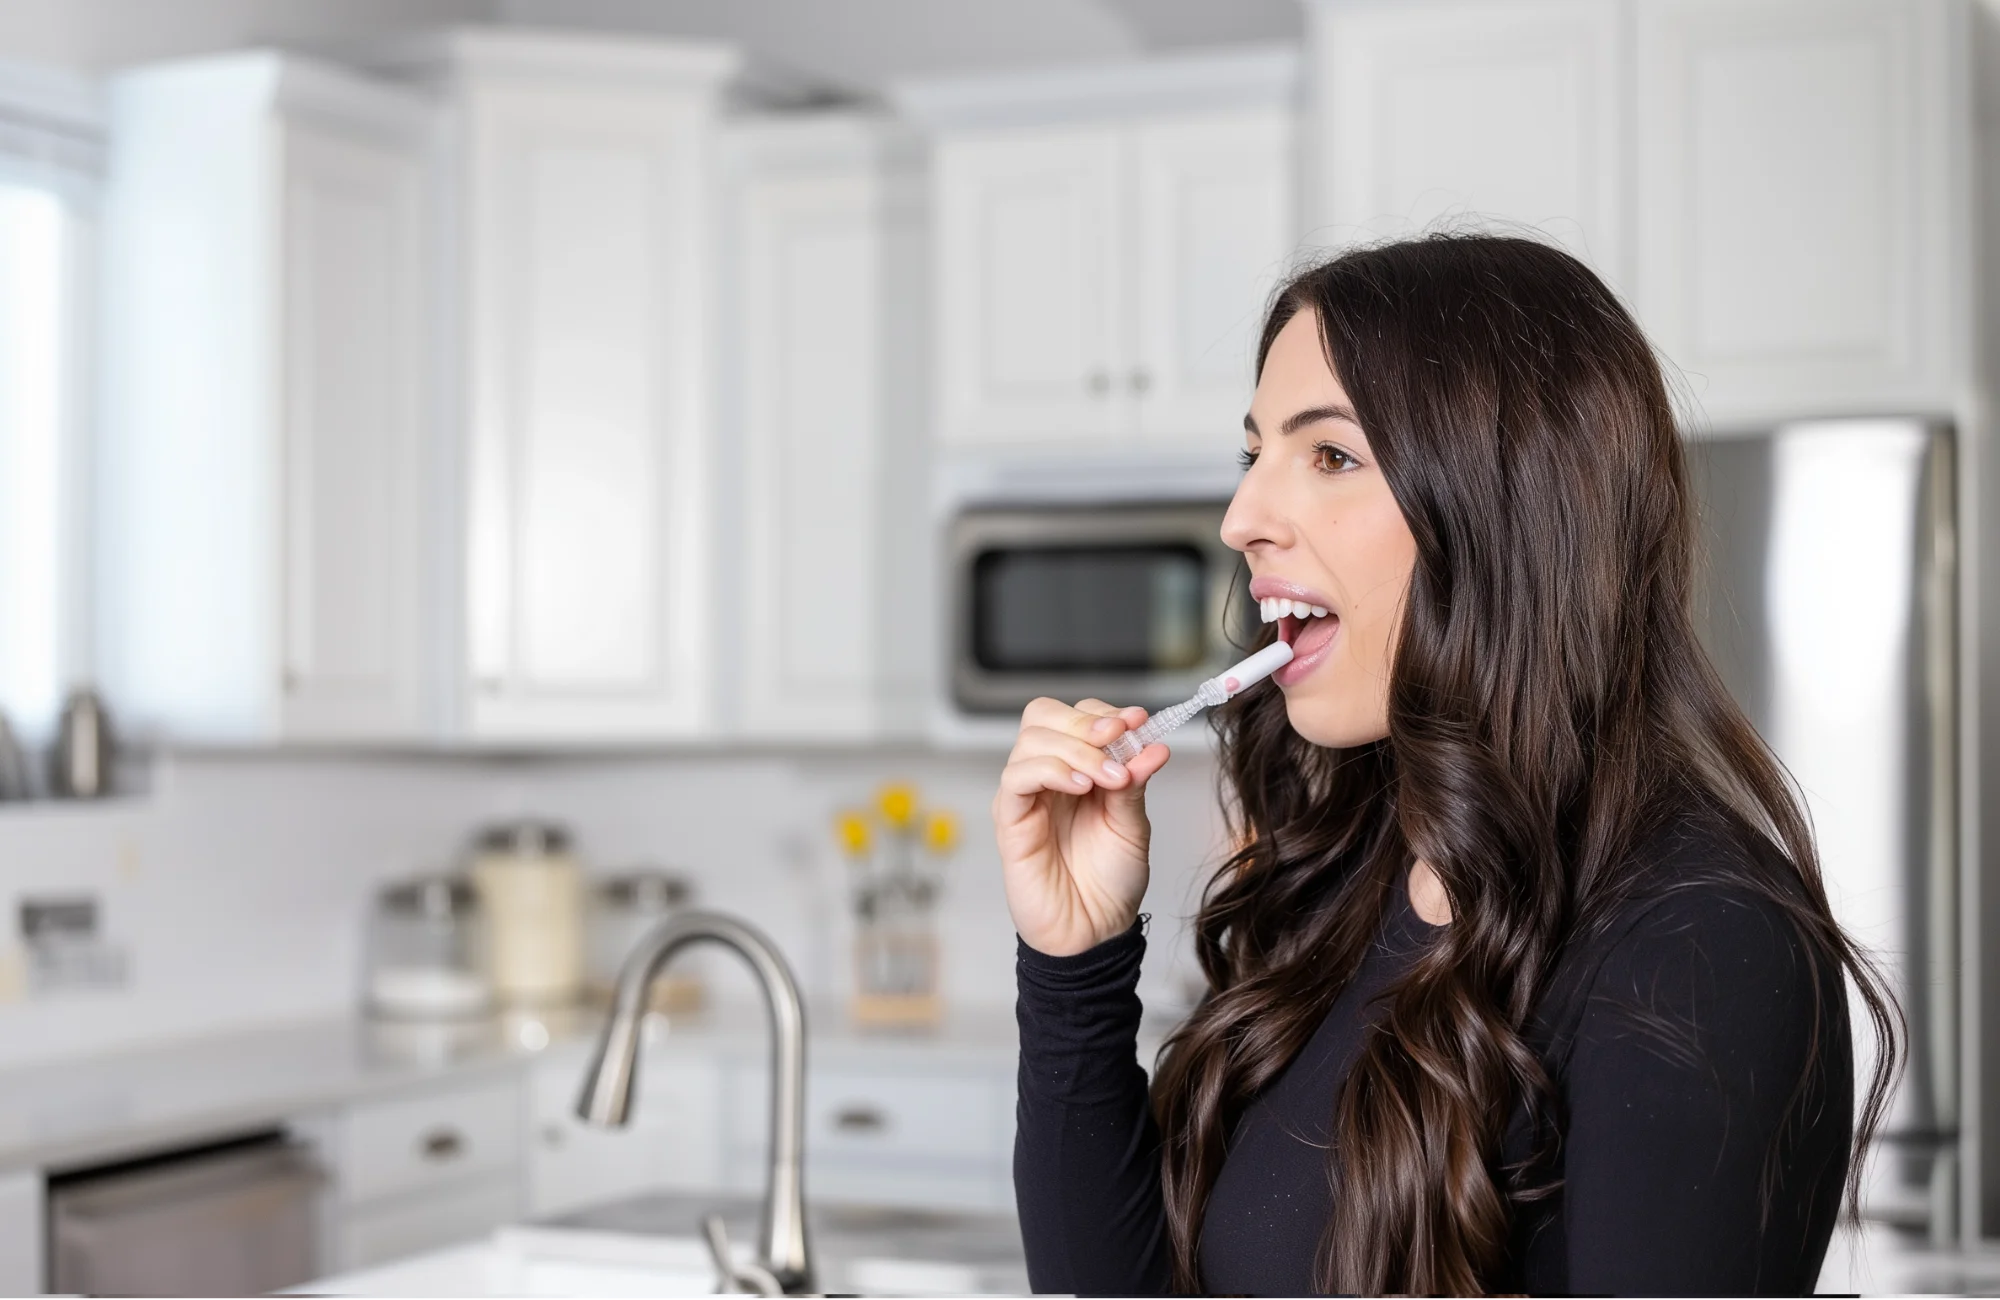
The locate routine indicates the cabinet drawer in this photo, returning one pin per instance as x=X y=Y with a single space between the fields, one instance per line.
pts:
x=385 y=1232
x=939 y=1117
x=412 y=1144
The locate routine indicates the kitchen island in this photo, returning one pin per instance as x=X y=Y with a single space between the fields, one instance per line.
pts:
x=433 y=1136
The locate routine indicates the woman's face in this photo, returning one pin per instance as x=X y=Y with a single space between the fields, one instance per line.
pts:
x=1320 y=529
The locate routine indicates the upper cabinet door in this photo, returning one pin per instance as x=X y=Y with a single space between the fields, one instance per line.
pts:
x=1216 y=224
x=351 y=385
x=809 y=378
x=1454 y=112
x=586 y=474
x=1029 y=263
x=1794 y=202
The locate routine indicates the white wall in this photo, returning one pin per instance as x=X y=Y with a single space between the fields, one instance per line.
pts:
x=241 y=884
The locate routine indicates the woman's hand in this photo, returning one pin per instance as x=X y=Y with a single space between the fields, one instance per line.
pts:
x=1072 y=826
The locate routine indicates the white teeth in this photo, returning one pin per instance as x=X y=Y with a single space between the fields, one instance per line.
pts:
x=1272 y=608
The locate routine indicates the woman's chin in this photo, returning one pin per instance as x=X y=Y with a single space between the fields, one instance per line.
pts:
x=1330 y=723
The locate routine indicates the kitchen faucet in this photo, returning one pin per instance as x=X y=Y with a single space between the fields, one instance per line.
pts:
x=607 y=1085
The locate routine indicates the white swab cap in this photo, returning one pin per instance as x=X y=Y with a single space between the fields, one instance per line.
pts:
x=1254 y=669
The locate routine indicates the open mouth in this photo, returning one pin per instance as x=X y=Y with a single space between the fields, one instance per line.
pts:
x=1307 y=629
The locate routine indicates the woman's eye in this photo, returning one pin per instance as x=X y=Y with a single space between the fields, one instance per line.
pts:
x=1329 y=459
x=1246 y=458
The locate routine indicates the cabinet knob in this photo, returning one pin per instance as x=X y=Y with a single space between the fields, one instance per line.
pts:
x=489 y=686
x=1141 y=382
x=553 y=1136
x=441 y=1145
x=1099 y=383
x=860 y=1119
x=289 y=680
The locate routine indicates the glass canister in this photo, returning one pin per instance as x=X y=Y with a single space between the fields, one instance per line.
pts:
x=427 y=951
x=532 y=888
x=624 y=907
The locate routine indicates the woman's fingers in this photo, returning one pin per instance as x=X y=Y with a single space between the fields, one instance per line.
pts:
x=1024 y=779
x=1148 y=761
x=1082 y=757
x=1090 y=720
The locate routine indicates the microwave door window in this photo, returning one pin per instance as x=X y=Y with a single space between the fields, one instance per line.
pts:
x=1136 y=609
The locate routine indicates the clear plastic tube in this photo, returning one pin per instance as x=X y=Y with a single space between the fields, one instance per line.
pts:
x=1214 y=691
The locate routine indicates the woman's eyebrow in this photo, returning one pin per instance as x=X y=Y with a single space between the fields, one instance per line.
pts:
x=1299 y=420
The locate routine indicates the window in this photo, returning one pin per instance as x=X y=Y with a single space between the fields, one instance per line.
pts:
x=51 y=162
x=34 y=454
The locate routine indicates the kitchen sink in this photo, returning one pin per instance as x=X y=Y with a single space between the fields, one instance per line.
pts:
x=649 y=1246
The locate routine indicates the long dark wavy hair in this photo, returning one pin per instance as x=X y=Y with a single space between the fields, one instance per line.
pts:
x=1549 y=708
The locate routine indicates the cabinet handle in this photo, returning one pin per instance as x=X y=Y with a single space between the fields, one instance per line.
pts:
x=860 y=1119
x=489 y=686
x=1099 y=383
x=1141 y=382
x=290 y=681
x=441 y=1145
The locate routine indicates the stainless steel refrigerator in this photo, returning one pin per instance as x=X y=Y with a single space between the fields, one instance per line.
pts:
x=1827 y=599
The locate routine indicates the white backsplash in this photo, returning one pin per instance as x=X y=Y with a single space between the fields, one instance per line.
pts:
x=240 y=885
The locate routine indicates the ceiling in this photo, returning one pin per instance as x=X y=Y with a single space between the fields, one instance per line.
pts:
x=860 y=45
x=852 y=46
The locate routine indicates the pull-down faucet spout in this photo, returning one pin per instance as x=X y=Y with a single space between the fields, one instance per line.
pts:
x=607 y=1085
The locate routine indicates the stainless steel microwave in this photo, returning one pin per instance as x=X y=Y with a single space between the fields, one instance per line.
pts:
x=1130 y=603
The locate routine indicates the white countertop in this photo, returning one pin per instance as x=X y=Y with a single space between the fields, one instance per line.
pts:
x=90 y=1110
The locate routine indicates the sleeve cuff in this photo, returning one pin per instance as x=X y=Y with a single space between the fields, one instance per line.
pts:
x=1115 y=961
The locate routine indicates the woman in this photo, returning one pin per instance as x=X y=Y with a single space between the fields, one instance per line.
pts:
x=1522 y=976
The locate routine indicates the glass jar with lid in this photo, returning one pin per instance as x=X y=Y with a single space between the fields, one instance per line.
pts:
x=427 y=951
x=624 y=907
x=531 y=884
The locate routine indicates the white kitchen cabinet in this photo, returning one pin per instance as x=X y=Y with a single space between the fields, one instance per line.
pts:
x=580 y=176
x=1030 y=280
x=414 y=1145
x=1448 y=113
x=416 y=1171
x=671 y=1143
x=828 y=227
x=928 y=1134
x=1213 y=233
x=1774 y=185
x=1105 y=243
x=352 y=382
x=1795 y=193
x=264 y=398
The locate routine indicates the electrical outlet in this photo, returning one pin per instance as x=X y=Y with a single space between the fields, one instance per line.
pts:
x=64 y=951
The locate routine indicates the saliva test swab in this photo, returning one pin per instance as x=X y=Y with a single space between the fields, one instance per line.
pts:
x=1214 y=691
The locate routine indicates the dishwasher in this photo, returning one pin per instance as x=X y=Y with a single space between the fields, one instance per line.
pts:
x=235 y=1218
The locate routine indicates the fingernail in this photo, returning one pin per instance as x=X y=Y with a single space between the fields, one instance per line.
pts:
x=1114 y=769
x=1101 y=726
x=1079 y=780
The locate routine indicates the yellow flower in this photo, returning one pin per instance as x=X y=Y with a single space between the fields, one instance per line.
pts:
x=941 y=832
x=898 y=803
x=852 y=828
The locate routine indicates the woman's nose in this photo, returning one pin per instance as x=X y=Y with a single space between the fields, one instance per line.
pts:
x=1249 y=521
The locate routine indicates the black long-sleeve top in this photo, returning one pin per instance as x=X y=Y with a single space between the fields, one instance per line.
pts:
x=1677 y=1037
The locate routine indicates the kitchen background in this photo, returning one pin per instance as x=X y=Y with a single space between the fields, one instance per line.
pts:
x=420 y=417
